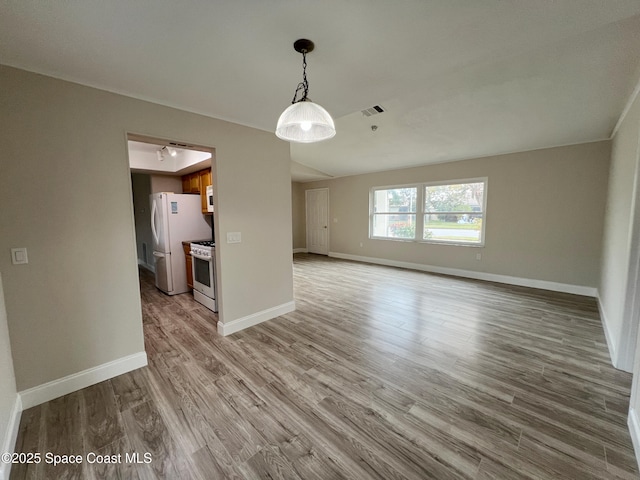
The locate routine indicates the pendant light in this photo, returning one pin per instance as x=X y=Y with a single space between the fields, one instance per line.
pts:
x=304 y=121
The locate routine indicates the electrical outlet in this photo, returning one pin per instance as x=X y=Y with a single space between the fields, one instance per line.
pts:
x=478 y=256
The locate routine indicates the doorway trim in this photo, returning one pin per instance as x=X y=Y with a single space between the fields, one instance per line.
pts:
x=626 y=353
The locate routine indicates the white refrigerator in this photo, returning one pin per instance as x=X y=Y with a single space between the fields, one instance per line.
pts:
x=175 y=218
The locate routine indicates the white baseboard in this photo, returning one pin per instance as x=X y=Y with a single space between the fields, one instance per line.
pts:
x=151 y=268
x=234 y=326
x=62 y=386
x=633 y=422
x=611 y=343
x=9 y=441
x=300 y=250
x=489 y=277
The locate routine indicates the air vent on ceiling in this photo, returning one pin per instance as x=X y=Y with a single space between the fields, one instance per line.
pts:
x=182 y=145
x=376 y=109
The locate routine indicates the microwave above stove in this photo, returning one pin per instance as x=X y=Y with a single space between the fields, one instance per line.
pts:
x=209 y=191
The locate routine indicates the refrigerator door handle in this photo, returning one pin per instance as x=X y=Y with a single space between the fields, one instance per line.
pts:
x=153 y=222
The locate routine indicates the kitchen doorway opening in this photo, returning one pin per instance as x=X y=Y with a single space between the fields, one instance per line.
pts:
x=161 y=165
x=173 y=195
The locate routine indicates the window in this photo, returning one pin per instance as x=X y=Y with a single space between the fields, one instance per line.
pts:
x=451 y=212
x=394 y=213
x=454 y=212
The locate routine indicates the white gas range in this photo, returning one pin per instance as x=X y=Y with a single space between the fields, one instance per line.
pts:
x=204 y=273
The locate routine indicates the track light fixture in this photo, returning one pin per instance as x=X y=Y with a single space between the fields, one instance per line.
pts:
x=170 y=150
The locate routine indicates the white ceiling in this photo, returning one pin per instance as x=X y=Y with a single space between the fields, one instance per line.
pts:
x=458 y=78
x=145 y=157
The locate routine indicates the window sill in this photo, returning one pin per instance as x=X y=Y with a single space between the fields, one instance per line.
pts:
x=430 y=242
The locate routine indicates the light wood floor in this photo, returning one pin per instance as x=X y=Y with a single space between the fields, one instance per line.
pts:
x=379 y=373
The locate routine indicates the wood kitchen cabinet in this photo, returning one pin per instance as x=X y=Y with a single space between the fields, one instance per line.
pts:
x=186 y=184
x=196 y=186
x=206 y=179
x=197 y=183
x=189 y=261
x=191 y=183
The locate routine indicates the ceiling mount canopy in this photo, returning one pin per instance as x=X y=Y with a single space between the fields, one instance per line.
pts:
x=304 y=121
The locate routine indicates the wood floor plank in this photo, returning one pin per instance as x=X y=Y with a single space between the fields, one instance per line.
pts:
x=166 y=390
x=354 y=458
x=270 y=464
x=555 y=463
x=29 y=441
x=251 y=407
x=64 y=436
x=609 y=433
x=309 y=462
x=119 y=468
x=622 y=463
x=148 y=434
x=209 y=466
x=101 y=417
x=400 y=454
x=379 y=373
x=129 y=390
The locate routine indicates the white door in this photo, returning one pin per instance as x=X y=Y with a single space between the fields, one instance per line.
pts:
x=317 y=205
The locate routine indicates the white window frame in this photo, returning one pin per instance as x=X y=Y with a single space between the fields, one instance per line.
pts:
x=420 y=212
x=483 y=212
x=373 y=213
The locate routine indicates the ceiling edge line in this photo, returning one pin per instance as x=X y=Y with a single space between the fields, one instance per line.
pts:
x=625 y=110
x=463 y=159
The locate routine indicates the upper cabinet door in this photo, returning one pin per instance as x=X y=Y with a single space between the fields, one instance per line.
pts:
x=205 y=180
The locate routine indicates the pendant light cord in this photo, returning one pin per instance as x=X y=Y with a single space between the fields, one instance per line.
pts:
x=304 y=85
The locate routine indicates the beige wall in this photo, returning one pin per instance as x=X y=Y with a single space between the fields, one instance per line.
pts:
x=166 y=183
x=618 y=237
x=8 y=392
x=65 y=191
x=544 y=218
x=298 y=213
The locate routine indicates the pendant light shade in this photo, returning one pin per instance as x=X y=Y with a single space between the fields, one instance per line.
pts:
x=304 y=121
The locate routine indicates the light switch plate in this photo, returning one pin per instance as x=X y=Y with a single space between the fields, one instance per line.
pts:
x=234 y=237
x=19 y=256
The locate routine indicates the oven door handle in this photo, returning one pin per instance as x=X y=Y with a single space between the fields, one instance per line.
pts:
x=201 y=257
